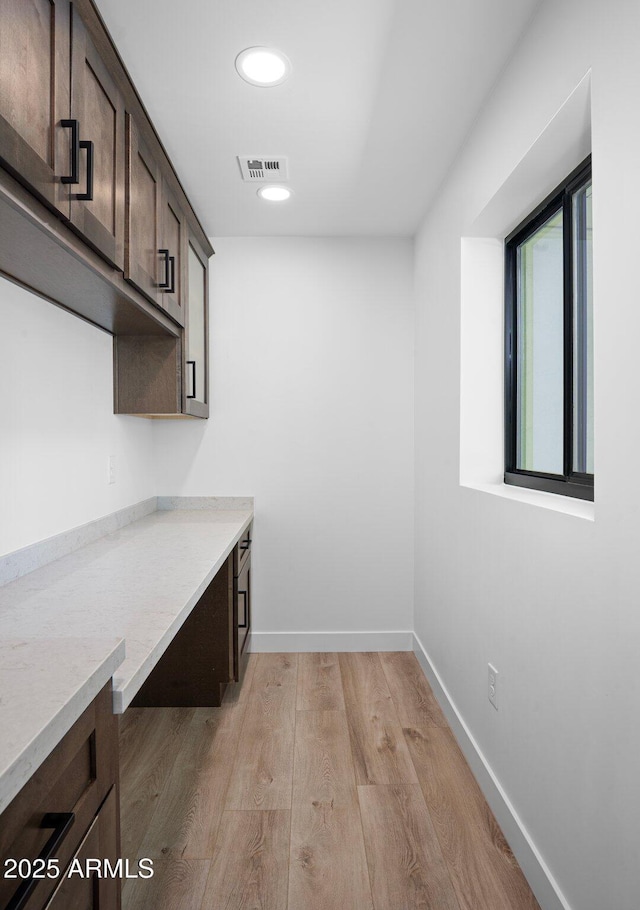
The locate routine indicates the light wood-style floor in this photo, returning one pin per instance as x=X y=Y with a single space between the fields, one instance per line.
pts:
x=330 y=782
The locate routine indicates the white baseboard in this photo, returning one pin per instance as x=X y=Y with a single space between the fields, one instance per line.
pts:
x=537 y=873
x=288 y=642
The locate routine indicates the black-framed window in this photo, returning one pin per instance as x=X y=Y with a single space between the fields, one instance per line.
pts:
x=549 y=343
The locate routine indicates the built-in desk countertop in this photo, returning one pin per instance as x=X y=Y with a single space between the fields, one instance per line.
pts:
x=62 y=625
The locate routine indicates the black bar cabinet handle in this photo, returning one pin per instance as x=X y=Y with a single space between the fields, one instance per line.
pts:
x=243 y=625
x=165 y=285
x=193 y=384
x=74 y=161
x=61 y=822
x=88 y=146
x=172 y=281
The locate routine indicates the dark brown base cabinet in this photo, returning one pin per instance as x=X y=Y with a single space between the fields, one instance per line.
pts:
x=79 y=783
x=242 y=604
x=211 y=649
x=195 y=669
x=92 y=214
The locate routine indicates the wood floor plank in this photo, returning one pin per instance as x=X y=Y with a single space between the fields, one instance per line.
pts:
x=134 y=727
x=411 y=693
x=328 y=867
x=405 y=863
x=379 y=750
x=263 y=773
x=250 y=867
x=483 y=870
x=177 y=763
x=176 y=885
x=190 y=806
x=319 y=683
x=149 y=744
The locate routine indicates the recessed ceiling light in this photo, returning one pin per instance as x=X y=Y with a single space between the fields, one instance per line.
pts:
x=263 y=66
x=274 y=193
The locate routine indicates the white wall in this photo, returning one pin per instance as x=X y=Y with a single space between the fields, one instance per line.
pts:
x=57 y=427
x=312 y=413
x=550 y=598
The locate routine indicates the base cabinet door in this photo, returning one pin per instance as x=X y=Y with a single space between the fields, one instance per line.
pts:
x=35 y=79
x=242 y=604
x=68 y=805
x=97 y=107
x=243 y=618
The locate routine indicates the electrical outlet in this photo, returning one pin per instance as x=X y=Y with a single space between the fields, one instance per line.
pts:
x=493 y=685
x=111 y=469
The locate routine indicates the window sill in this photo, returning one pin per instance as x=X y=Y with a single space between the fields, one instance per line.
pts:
x=579 y=508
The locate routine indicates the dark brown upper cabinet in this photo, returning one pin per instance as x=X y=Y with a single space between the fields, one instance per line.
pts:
x=156 y=230
x=195 y=387
x=92 y=214
x=173 y=234
x=143 y=205
x=35 y=83
x=164 y=377
x=62 y=119
x=97 y=106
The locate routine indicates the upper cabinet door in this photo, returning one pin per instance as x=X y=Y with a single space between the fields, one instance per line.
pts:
x=145 y=265
x=174 y=239
x=196 y=382
x=97 y=203
x=34 y=95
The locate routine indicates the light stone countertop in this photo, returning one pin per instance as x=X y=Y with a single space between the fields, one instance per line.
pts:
x=45 y=685
x=138 y=583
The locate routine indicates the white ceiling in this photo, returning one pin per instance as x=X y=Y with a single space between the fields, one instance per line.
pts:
x=380 y=98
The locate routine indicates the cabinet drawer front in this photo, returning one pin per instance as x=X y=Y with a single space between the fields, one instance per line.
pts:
x=242 y=550
x=75 y=778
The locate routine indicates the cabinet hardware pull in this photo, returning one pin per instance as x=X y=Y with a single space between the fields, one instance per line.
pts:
x=169 y=283
x=74 y=160
x=192 y=363
x=166 y=284
x=62 y=823
x=243 y=625
x=245 y=545
x=76 y=145
x=88 y=146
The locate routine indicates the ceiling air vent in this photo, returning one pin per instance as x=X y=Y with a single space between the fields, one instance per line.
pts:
x=260 y=168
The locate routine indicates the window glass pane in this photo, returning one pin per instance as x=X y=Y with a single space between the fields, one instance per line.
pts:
x=583 y=332
x=540 y=381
